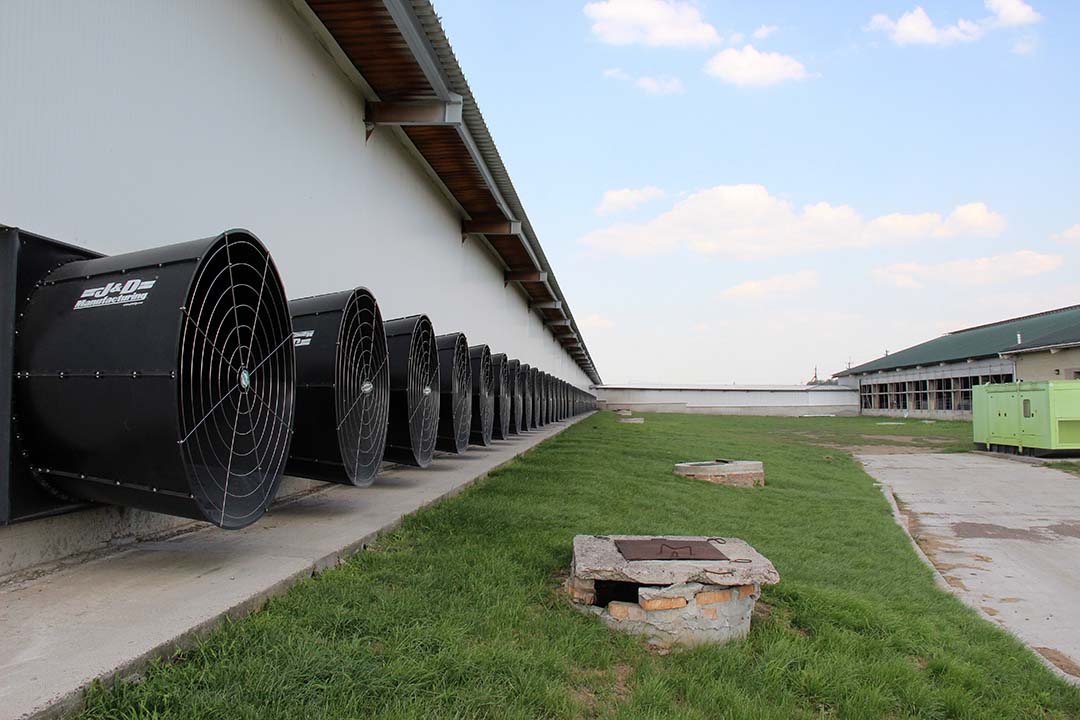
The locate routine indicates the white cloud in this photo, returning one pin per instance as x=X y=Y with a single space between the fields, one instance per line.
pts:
x=764 y=31
x=974 y=220
x=746 y=221
x=597 y=322
x=916 y=28
x=1010 y=13
x=789 y=284
x=616 y=201
x=1070 y=236
x=617 y=73
x=752 y=67
x=656 y=23
x=974 y=271
x=660 y=85
x=735 y=39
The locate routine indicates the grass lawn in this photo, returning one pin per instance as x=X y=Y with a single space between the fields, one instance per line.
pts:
x=458 y=613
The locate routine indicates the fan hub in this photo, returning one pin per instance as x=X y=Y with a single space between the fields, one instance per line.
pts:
x=245 y=379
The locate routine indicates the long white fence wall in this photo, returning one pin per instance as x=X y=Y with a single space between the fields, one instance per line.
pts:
x=734 y=400
x=131 y=124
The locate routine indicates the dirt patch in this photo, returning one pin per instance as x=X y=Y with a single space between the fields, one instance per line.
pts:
x=621 y=689
x=908 y=439
x=1011 y=600
x=949 y=567
x=878 y=449
x=587 y=698
x=995 y=532
x=955 y=582
x=930 y=544
x=989 y=610
x=1067 y=529
x=594 y=703
x=1062 y=661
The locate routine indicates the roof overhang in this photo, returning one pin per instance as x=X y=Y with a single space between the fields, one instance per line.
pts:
x=397 y=55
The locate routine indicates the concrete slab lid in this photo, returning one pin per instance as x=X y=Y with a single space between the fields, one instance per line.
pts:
x=720 y=465
x=597 y=558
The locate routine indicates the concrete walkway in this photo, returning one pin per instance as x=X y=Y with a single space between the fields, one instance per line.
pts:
x=1005 y=535
x=108 y=617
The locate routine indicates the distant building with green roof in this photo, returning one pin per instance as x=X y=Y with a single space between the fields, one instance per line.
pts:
x=934 y=379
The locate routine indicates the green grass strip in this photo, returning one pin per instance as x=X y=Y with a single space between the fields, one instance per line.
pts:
x=457 y=614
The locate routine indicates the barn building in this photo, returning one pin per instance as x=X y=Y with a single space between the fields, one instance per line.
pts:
x=934 y=379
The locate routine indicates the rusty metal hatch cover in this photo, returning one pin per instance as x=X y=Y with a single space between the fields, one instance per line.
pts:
x=668 y=549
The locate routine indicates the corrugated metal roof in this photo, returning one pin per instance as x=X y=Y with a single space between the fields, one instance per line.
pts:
x=429 y=20
x=1065 y=335
x=984 y=341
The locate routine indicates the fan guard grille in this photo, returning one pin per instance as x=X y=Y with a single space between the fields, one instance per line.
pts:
x=455 y=380
x=503 y=396
x=235 y=381
x=423 y=390
x=483 y=395
x=362 y=387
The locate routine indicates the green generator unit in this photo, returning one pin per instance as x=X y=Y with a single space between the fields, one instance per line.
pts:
x=1035 y=418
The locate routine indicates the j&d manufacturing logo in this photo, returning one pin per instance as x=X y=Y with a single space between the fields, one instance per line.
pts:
x=302 y=338
x=132 y=292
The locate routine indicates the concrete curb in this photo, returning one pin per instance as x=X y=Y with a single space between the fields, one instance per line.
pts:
x=71 y=700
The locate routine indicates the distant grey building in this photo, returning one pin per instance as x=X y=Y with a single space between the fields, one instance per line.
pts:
x=934 y=379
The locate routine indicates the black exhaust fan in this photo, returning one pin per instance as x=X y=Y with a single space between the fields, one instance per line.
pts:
x=534 y=390
x=455 y=385
x=557 y=395
x=414 y=391
x=342 y=388
x=483 y=395
x=513 y=380
x=500 y=369
x=161 y=379
x=525 y=375
x=548 y=381
x=542 y=393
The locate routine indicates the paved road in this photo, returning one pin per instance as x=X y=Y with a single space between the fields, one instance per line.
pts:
x=1004 y=534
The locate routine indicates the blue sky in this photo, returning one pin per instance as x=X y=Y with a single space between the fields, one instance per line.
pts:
x=742 y=191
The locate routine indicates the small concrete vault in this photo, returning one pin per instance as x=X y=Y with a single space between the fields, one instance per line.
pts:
x=674 y=590
x=739 y=473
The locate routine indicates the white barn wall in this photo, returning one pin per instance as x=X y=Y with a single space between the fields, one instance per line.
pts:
x=132 y=124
